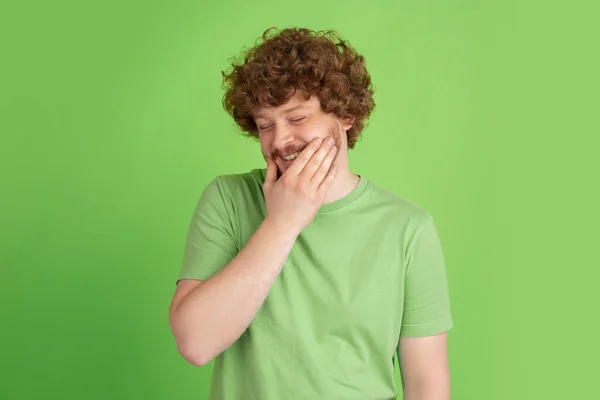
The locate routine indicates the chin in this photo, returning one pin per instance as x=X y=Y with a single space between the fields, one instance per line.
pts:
x=283 y=165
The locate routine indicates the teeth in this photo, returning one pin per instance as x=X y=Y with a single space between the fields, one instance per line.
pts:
x=291 y=156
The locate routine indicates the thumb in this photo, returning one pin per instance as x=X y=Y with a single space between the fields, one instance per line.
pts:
x=271 y=175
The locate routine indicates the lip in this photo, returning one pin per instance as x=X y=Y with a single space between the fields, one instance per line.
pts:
x=289 y=154
x=300 y=150
x=287 y=163
x=283 y=159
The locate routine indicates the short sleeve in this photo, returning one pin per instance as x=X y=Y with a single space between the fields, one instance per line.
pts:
x=210 y=243
x=426 y=300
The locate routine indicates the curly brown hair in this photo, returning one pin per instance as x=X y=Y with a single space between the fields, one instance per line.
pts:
x=299 y=59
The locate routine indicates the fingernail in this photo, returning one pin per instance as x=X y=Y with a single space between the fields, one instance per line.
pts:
x=319 y=141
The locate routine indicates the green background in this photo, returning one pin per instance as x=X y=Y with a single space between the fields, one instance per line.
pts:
x=111 y=125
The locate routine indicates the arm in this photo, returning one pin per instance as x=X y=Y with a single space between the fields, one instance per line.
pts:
x=207 y=317
x=424 y=367
x=426 y=319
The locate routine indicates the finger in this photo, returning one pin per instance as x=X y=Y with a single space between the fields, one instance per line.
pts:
x=317 y=159
x=300 y=161
x=326 y=184
x=321 y=173
x=271 y=174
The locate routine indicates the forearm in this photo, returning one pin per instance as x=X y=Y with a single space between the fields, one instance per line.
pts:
x=217 y=312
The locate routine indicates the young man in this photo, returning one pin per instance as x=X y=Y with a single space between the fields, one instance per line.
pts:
x=303 y=279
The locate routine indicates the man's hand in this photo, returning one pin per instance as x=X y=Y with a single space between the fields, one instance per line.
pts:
x=293 y=200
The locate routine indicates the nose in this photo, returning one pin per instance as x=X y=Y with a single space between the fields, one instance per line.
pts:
x=282 y=137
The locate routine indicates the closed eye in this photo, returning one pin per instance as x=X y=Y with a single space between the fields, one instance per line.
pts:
x=264 y=127
x=298 y=119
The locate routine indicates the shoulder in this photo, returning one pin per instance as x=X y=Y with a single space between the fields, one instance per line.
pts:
x=400 y=207
x=236 y=194
x=234 y=183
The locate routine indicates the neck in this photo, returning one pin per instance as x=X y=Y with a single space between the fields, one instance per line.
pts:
x=345 y=181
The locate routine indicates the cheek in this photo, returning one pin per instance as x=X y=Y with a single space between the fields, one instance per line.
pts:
x=336 y=131
x=265 y=149
x=264 y=141
x=314 y=128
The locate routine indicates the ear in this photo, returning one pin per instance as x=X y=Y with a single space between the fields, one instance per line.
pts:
x=347 y=123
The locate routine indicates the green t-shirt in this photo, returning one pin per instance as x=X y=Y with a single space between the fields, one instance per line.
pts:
x=368 y=269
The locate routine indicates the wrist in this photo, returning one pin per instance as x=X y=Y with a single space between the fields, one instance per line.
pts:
x=281 y=229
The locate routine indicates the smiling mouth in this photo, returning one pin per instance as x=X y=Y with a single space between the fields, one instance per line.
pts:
x=291 y=157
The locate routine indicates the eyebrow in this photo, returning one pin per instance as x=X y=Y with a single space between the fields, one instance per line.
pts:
x=286 y=111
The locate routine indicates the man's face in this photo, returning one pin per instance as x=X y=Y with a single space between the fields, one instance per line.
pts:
x=286 y=130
